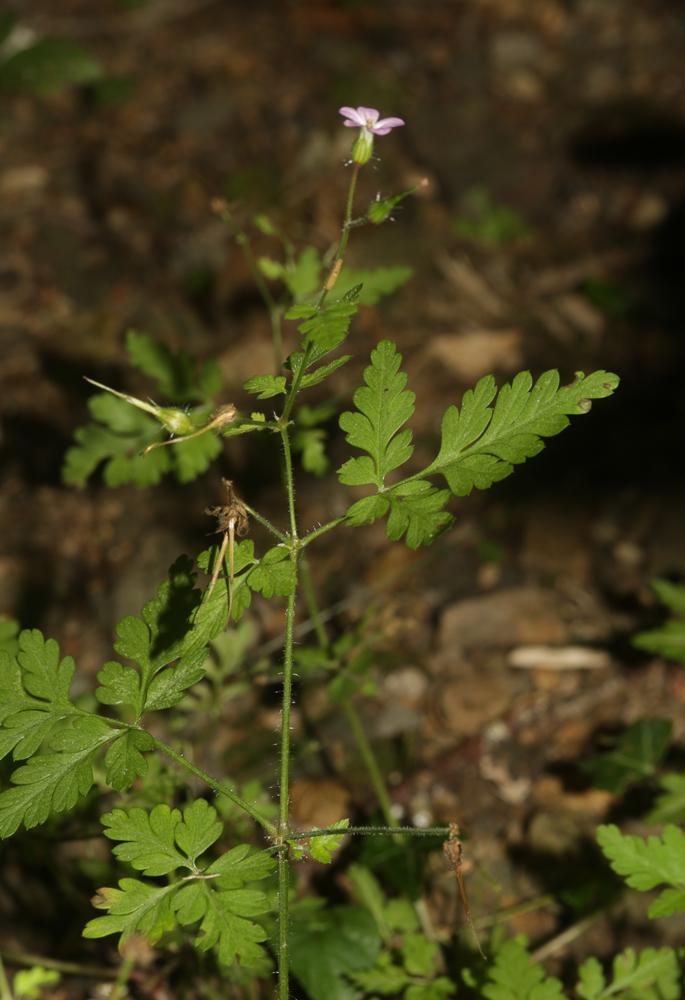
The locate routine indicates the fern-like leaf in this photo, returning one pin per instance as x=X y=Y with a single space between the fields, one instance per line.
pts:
x=53 y=782
x=214 y=895
x=383 y=407
x=482 y=443
x=648 y=862
x=652 y=974
x=514 y=976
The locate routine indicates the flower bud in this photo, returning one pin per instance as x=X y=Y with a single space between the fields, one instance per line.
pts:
x=174 y=420
x=363 y=147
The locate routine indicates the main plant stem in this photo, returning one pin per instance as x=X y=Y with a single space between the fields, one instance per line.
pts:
x=284 y=794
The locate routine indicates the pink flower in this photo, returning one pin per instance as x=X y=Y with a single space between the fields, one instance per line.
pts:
x=368 y=119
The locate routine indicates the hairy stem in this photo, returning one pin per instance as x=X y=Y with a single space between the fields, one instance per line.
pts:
x=217 y=786
x=284 y=798
x=374 y=831
x=317 y=532
x=265 y=523
x=331 y=279
x=274 y=310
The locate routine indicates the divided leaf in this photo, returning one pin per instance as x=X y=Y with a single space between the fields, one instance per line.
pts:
x=327 y=944
x=648 y=862
x=636 y=755
x=670 y=806
x=121 y=432
x=417 y=510
x=124 y=760
x=163 y=840
x=34 y=694
x=53 y=782
x=652 y=974
x=375 y=282
x=482 y=443
x=383 y=407
x=164 y=633
x=669 y=639
x=274 y=574
x=514 y=976
x=225 y=922
x=134 y=908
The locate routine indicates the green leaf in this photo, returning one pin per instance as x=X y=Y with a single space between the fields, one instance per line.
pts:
x=119 y=685
x=513 y=976
x=646 y=863
x=122 y=431
x=53 y=782
x=270 y=268
x=438 y=989
x=34 y=694
x=321 y=373
x=148 y=838
x=323 y=330
x=327 y=944
x=9 y=636
x=386 y=979
x=177 y=375
x=303 y=276
x=265 y=386
x=225 y=922
x=383 y=407
x=161 y=840
x=124 y=761
x=367 y=890
x=376 y=283
x=591 y=980
x=192 y=458
x=135 y=907
x=482 y=443
x=670 y=807
x=29 y=983
x=367 y=510
x=323 y=848
x=310 y=443
x=165 y=633
x=417 y=511
x=47 y=67
x=667 y=641
x=670 y=594
x=381 y=209
x=199 y=830
x=420 y=956
x=274 y=574
x=240 y=866
x=652 y=974
x=637 y=753
x=488 y=223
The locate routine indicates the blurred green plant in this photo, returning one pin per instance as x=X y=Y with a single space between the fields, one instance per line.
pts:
x=482 y=220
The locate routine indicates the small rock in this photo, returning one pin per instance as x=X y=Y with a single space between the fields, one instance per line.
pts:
x=513 y=617
x=479 y=352
x=406 y=686
x=317 y=803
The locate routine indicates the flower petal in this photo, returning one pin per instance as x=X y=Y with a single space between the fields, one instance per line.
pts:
x=368 y=115
x=355 y=119
x=386 y=125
